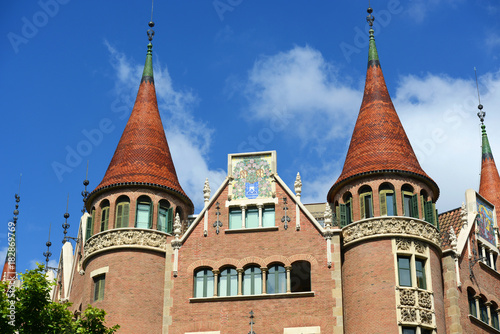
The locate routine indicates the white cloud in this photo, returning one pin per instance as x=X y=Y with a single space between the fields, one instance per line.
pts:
x=437 y=111
x=439 y=116
x=189 y=139
x=316 y=103
x=418 y=10
x=492 y=40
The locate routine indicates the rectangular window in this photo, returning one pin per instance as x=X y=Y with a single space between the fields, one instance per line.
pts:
x=104 y=218
x=143 y=215
x=88 y=232
x=252 y=218
x=368 y=206
x=494 y=319
x=472 y=305
x=99 y=287
x=420 y=270
x=122 y=211
x=404 y=271
x=484 y=311
x=268 y=216
x=391 y=204
x=407 y=205
x=234 y=218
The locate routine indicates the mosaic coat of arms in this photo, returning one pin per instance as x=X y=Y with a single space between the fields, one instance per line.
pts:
x=252 y=177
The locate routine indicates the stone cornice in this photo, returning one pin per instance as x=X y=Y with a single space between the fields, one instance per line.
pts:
x=382 y=227
x=125 y=238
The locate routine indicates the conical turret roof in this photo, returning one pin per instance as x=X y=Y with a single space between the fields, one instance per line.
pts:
x=489 y=186
x=142 y=156
x=379 y=143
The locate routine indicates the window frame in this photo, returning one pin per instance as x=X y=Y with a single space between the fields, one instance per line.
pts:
x=207 y=280
x=123 y=204
x=141 y=201
x=250 y=279
x=408 y=270
x=227 y=274
x=104 y=216
x=422 y=279
x=275 y=274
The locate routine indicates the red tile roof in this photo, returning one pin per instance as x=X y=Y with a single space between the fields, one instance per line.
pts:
x=142 y=156
x=379 y=142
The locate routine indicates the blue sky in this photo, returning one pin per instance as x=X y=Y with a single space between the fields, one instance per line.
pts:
x=233 y=76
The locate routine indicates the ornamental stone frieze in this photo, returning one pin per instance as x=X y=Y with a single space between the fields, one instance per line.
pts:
x=125 y=238
x=390 y=226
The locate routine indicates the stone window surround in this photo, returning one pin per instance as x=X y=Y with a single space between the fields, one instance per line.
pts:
x=240 y=294
x=418 y=330
x=99 y=271
x=413 y=248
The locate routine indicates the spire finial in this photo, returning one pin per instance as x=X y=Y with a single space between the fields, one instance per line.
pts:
x=85 y=193
x=151 y=24
x=370 y=18
x=48 y=254
x=480 y=113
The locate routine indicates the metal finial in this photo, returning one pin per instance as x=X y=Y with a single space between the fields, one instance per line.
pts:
x=151 y=24
x=480 y=113
x=48 y=254
x=85 y=193
x=370 y=18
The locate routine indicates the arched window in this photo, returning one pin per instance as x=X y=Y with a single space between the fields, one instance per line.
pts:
x=252 y=281
x=366 y=202
x=122 y=212
x=165 y=217
x=228 y=282
x=104 y=215
x=410 y=201
x=300 y=276
x=276 y=279
x=483 y=309
x=143 y=218
x=344 y=210
x=387 y=200
x=90 y=224
x=203 y=283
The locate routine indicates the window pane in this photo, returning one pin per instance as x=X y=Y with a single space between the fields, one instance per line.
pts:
x=348 y=216
x=494 y=319
x=407 y=205
x=162 y=220
x=389 y=198
x=223 y=284
x=484 y=311
x=282 y=281
x=409 y=330
x=268 y=216
x=234 y=218
x=142 y=215
x=368 y=206
x=233 y=283
x=420 y=270
x=198 y=289
x=209 y=284
x=404 y=271
x=252 y=218
x=472 y=305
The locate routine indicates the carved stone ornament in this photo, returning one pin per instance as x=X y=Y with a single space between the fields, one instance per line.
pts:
x=391 y=225
x=298 y=185
x=126 y=237
x=426 y=317
x=206 y=190
x=463 y=215
x=403 y=244
x=420 y=247
x=407 y=297
x=453 y=238
x=424 y=300
x=408 y=315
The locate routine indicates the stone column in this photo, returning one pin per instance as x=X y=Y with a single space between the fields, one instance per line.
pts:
x=488 y=307
x=264 y=280
x=240 y=281
x=243 y=209
x=288 y=279
x=260 y=206
x=216 y=276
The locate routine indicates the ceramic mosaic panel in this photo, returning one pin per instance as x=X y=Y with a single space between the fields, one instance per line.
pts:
x=252 y=176
x=485 y=221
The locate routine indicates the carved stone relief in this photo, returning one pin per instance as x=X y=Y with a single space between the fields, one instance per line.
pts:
x=125 y=237
x=390 y=225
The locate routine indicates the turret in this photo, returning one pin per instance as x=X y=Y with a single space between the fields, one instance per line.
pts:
x=385 y=204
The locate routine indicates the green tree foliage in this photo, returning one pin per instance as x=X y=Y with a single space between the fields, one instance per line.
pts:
x=28 y=309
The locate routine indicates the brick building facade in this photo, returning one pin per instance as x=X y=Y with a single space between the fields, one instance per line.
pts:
x=375 y=258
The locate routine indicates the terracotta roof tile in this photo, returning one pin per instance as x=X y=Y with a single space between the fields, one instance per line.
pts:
x=142 y=155
x=449 y=219
x=379 y=142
